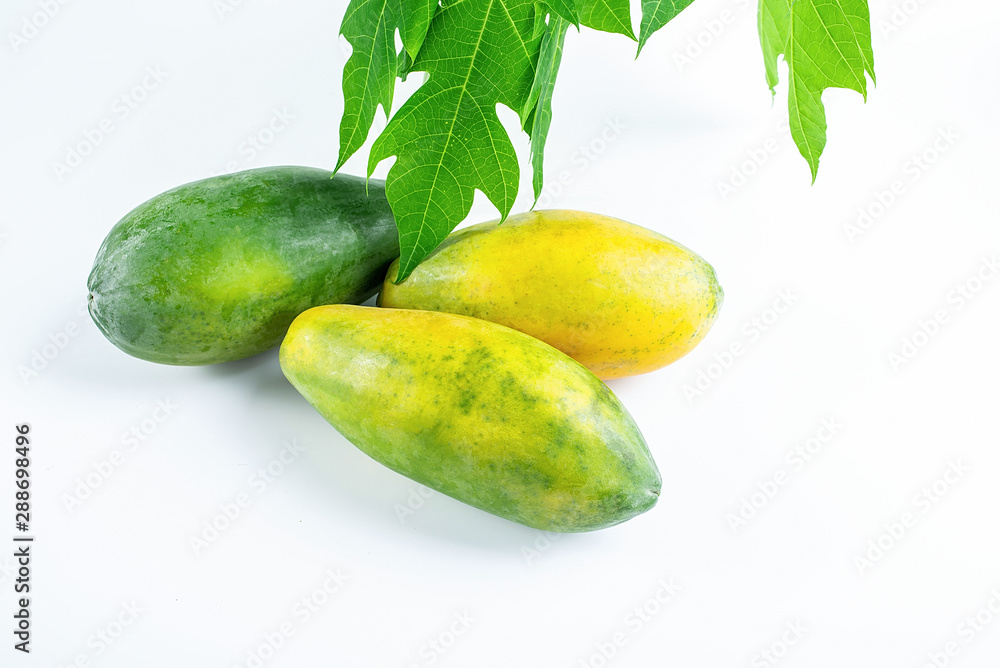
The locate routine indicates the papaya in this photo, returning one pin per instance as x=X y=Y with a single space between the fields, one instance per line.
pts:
x=216 y=270
x=478 y=411
x=618 y=298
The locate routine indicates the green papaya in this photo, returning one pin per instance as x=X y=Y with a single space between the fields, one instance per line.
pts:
x=216 y=270
x=481 y=412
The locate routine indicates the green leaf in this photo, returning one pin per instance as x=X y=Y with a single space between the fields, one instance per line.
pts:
x=566 y=10
x=655 y=15
x=540 y=99
x=827 y=44
x=447 y=137
x=607 y=15
x=370 y=73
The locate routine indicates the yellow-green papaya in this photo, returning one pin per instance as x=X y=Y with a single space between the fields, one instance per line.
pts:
x=478 y=411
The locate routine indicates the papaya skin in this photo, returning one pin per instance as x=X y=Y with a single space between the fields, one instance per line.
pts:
x=216 y=270
x=477 y=411
x=618 y=298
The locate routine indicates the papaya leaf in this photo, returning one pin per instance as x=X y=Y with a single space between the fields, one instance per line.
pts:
x=607 y=15
x=447 y=138
x=566 y=10
x=540 y=99
x=827 y=44
x=476 y=54
x=655 y=15
x=370 y=73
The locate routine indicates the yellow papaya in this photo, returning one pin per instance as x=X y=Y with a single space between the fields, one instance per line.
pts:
x=618 y=298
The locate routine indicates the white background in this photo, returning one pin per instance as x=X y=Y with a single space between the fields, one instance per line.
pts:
x=532 y=600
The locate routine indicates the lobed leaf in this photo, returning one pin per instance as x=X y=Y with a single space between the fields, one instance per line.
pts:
x=370 y=73
x=827 y=44
x=540 y=99
x=655 y=15
x=447 y=137
x=566 y=10
x=477 y=54
x=607 y=15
